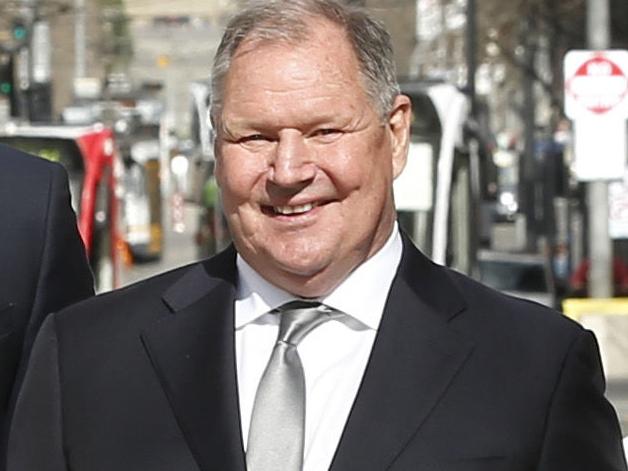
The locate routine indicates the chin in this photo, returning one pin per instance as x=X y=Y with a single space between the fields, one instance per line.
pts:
x=307 y=286
x=301 y=256
x=302 y=266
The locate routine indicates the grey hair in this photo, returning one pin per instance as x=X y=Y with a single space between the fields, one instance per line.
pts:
x=287 y=21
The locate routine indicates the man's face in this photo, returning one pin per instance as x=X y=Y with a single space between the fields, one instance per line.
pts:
x=304 y=161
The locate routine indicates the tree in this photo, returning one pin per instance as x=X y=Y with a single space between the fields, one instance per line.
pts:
x=511 y=32
x=117 y=46
x=550 y=28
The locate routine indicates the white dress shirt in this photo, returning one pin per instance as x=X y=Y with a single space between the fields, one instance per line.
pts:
x=334 y=355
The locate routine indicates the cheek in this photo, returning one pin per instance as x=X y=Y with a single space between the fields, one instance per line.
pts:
x=238 y=175
x=360 y=170
x=364 y=157
x=346 y=166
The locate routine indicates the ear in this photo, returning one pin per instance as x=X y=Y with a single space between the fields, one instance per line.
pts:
x=399 y=127
x=217 y=148
x=217 y=167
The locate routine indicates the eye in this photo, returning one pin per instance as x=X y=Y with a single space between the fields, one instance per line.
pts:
x=326 y=134
x=254 y=138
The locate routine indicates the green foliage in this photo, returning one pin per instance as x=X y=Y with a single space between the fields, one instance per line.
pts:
x=117 y=44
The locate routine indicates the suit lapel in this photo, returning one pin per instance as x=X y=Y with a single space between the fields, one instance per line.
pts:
x=193 y=354
x=414 y=359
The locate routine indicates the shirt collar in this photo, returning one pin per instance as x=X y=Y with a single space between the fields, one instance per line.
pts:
x=362 y=295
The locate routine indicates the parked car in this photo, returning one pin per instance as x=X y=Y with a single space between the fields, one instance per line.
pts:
x=142 y=208
x=89 y=156
x=524 y=275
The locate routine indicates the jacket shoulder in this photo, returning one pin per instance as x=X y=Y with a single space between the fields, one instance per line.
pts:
x=16 y=163
x=512 y=317
x=151 y=298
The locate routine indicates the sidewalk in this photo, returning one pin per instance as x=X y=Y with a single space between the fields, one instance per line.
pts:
x=179 y=247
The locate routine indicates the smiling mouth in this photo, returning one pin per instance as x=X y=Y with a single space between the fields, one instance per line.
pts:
x=293 y=210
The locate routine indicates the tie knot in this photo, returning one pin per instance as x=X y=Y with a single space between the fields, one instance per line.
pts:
x=299 y=318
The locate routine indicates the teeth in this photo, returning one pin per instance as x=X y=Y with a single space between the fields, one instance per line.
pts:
x=287 y=210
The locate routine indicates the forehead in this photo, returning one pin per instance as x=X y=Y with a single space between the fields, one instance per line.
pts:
x=322 y=63
x=316 y=32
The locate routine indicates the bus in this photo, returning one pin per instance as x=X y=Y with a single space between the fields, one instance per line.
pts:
x=88 y=153
x=439 y=194
x=136 y=123
x=142 y=208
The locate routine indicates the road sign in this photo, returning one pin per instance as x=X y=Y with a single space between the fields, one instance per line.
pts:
x=596 y=84
x=596 y=98
x=600 y=148
x=618 y=210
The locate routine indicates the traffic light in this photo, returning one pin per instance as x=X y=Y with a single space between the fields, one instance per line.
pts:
x=7 y=86
x=19 y=31
x=6 y=75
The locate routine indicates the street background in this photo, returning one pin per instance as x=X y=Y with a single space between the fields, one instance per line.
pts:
x=517 y=168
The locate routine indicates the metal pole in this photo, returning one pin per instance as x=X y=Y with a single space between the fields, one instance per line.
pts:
x=471 y=40
x=25 y=62
x=528 y=164
x=600 y=245
x=473 y=145
x=598 y=24
x=80 y=67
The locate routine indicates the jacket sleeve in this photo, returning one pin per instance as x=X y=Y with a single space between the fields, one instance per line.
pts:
x=64 y=276
x=582 y=431
x=36 y=438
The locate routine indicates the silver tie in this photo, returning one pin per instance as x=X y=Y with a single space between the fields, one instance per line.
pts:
x=277 y=430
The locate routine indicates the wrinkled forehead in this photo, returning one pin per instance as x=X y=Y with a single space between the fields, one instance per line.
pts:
x=311 y=31
x=325 y=54
x=322 y=65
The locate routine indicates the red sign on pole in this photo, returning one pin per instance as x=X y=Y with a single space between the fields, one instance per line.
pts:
x=596 y=99
x=596 y=83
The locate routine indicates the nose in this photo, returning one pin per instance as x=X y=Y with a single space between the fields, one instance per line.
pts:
x=292 y=165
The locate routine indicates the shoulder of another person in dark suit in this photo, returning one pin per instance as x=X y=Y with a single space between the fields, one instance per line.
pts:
x=23 y=176
x=16 y=162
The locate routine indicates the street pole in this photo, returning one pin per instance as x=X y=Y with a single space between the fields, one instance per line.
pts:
x=24 y=61
x=80 y=67
x=473 y=144
x=600 y=245
x=528 y=164
x=471 y=40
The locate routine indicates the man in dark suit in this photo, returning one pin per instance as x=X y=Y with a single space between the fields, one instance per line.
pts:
x=44 y=266
x=416 y=367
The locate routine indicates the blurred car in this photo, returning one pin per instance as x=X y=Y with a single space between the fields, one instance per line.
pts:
x=89 y=156
x=524 y=275
x=142 y=208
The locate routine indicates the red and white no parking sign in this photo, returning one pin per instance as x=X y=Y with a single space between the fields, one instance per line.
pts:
x=596 y=99
x=596 y=83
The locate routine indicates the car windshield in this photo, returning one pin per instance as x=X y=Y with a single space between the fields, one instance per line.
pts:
x=505 y=275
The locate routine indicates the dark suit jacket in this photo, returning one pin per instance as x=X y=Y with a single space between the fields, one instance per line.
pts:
x=43 y=266
x=461 y=378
